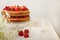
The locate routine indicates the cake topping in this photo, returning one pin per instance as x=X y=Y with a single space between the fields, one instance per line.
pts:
x=15 y=8
x=24 y=8
x=7 y=8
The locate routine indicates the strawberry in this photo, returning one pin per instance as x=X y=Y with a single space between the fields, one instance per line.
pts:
x=24 y=8
x=26 y=35
x=20 y=33
x=13 y=9
x=7 y=8
x=17 y=9
x=26 y=31
x=20 y=8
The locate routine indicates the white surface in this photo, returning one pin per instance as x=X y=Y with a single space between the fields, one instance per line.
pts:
x=39 y=30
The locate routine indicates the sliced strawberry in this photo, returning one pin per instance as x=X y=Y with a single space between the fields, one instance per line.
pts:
x=20 y=33
x=26 y=35
x=26 y=31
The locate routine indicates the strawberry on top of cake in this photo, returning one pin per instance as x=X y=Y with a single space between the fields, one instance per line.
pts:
x=15 y=8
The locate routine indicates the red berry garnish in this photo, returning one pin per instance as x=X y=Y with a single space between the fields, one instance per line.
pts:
x=26 y=35
x=7 y=8
x=24 y=8
x=17 y=9
x=20 y=33
x=26 y=31
x=13 y=9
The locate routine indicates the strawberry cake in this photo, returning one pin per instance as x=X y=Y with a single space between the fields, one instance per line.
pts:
x=16 y=13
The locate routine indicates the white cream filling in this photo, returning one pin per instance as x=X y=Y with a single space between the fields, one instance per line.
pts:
x=7 y=14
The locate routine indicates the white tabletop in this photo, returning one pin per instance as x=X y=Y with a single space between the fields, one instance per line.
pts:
x=41 y=29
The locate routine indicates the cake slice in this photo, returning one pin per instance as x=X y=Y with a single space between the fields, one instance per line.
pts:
x=17 y=14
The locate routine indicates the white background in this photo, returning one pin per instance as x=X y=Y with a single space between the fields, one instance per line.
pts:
x=39 y=8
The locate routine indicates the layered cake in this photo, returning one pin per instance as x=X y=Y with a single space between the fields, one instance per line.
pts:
x=16 y=13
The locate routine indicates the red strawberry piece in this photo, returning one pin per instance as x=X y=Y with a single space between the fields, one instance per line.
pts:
x=20 y=8
x=17 y=9
x=7 y=8
x=24 y=8
x=26 y=31
x=20 y=33
x=26 y=35
x=12 y=8
x=24 y=16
